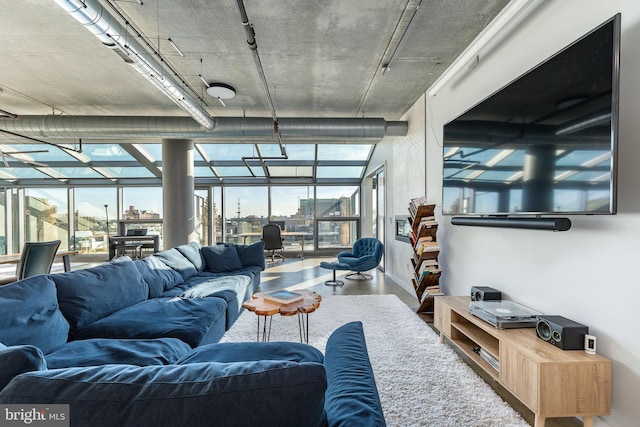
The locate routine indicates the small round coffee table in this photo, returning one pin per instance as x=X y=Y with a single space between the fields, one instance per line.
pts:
x=267 y=308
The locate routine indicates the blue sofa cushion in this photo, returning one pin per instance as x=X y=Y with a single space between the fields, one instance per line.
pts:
x=158 y=275
x=192 y=252
x=93 y=293
x=266 y=393
x=186 y=319
x=221 y=258
x=29 y=314
x=253 y=351
x=252 y=255
x=352 y=396
x=99 y=351
x=174 y=259
x=19 y=359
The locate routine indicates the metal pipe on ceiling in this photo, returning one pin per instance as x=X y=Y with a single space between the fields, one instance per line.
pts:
x=108 y=29
x=316 y=129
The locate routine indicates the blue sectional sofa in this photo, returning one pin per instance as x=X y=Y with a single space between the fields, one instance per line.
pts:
x=135 y=343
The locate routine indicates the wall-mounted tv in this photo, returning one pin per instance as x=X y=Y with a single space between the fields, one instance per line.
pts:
x=546 y=143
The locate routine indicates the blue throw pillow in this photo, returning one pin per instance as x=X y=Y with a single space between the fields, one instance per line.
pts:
x=266 y=393
x=221 y=258
x=174 y=259
x=252 y=255
x=93 y=293
x=192 y=252
x=29 y=314
x=158 y=275
x=18 y=360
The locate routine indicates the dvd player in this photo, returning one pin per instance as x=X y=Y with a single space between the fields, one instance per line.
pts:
x=504 y=314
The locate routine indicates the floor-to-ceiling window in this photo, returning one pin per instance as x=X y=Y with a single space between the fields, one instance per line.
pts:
x=93 y=208
x=338 y=211
x=141 y=208
x=246 y=211
x=46 y=215
x=3 y=222
x=377 y=208
x=294 y=207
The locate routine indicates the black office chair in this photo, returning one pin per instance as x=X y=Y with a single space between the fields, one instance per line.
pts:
x=272 y=239
x=36 y=258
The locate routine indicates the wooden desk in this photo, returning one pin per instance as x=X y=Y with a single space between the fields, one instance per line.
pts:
x=300 y=234
x=15 y=258
x=119 y=242
x=549 y=381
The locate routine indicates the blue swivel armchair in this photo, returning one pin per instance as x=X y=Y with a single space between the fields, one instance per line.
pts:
x=365 y=255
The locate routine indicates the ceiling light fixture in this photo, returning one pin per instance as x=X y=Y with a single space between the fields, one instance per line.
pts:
x=220 y=91
x=176 y=47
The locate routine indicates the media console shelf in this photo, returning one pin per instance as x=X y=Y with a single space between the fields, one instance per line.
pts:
x=549 y=381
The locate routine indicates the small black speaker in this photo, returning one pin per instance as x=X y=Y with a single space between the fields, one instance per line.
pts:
x=561 y=332
x=485 y=293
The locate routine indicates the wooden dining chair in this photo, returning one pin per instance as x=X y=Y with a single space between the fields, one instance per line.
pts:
x=36 y=258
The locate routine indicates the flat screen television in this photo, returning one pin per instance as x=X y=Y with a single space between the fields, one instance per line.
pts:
x=546 y=143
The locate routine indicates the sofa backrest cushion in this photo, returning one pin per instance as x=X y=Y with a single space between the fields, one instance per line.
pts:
x=104 y=351
x=19 y=359
x=252 y=255
x=174 y=259
x=221 y=258
x=158 y=275
x=265 y=393
x=253 y=351
x=192 y=252
x=29 y=314
x=93 y=293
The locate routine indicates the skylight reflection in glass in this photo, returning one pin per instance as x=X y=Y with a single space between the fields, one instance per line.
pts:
x=339 y=171
x=228 y=151
x=344 y=151
x=106 y=152
x=294 y=151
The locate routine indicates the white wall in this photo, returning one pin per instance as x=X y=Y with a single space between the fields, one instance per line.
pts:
x=589 y=273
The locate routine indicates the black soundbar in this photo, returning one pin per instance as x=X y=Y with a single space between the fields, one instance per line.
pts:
x=555 y=224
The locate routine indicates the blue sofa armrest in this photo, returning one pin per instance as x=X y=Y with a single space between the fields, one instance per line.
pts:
x=352 y=396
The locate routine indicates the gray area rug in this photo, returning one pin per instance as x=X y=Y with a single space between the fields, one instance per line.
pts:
x=421 y=382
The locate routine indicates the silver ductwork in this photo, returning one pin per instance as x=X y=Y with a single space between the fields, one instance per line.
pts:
x=238 y=128
x=114 y=35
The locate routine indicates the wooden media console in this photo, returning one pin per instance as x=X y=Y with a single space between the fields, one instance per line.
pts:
x=551 y=382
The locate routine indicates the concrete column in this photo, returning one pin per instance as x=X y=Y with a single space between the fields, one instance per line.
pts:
x=177 y=192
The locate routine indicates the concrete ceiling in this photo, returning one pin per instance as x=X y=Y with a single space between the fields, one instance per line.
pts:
x=321 y=58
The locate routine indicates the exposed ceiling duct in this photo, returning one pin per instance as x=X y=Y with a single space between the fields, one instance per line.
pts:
x=222 y=127
x=114 y=35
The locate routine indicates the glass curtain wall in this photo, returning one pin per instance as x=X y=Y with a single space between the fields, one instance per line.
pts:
x=95 y=218
x=3 y=222
x=142 y=208
x=246 y=211
x=320 y=217
x=208 y=223
x=46 y=215
x=338 y=210
x=293 y=208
